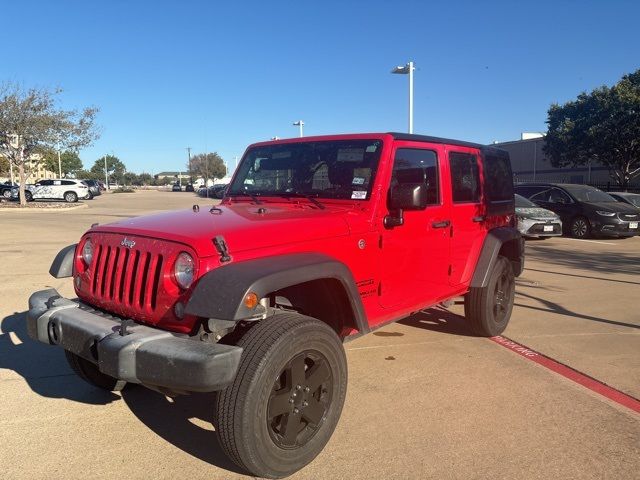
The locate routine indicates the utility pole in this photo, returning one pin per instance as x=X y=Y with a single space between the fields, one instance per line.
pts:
x=59 y=163
x=189 y=153
x=106 y=173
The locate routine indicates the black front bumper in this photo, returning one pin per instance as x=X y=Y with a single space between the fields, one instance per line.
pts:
x=145 y=355
x=614 y=228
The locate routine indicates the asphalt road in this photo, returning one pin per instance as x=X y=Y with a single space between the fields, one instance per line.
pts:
x=425 y=399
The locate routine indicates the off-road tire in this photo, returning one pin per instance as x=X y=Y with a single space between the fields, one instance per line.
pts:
x=580 y=228
x=247 y=429
x=488 y=309
x=89 y=372
x=70 y=197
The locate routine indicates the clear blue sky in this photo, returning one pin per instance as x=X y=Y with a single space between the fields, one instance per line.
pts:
x=217 y=76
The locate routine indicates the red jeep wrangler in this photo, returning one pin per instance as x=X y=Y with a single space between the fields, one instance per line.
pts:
x=317 y=241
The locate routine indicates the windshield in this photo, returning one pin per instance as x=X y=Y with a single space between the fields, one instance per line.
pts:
x=523 y=202
x=633 y=198
x=588 y=194
x=343 y=169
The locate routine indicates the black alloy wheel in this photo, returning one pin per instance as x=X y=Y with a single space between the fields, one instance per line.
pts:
x=580 y=227
x=300 y=398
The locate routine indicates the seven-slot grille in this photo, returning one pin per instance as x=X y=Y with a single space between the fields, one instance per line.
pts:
x=126 y=276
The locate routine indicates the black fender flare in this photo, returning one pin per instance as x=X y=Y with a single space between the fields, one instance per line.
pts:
x=62 y=266
x=493 y=243
x=220 y=293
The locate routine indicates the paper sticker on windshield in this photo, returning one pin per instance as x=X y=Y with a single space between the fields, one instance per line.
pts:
x=358 y=195
x=350 y=154
x=372 y=148
x=358 y=181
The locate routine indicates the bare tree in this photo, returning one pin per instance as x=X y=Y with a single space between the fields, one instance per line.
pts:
x=31 y=121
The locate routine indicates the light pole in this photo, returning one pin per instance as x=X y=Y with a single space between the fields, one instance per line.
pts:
x=106 y=173
x=189 y=153
x=408 y=70
x=300 y=124
x=59 y=163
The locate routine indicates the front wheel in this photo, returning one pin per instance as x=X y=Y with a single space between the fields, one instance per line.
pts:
x=89 y=372
x=6 y=193
x=580 y=227
x=28 y=195
x=488 y=309
x=286 y=399
x=71 y=197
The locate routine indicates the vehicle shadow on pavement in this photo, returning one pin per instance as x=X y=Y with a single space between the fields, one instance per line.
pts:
x=44 y=368
x=603 y=262
x=184 y=421
x=438 y=320
x=560 y=310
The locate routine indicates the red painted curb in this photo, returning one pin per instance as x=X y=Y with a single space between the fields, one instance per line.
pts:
x=574 y=375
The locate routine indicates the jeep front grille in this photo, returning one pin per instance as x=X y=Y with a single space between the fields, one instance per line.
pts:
x=126 y=276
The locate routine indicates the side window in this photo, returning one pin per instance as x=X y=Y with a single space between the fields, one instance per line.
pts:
x=414 y=165
x=558 y=196
x=465 y=182
x=542 y=196
x=528 y=192
x=57 y=182
x=68 y=182
x=498 y=178
x=46 y=183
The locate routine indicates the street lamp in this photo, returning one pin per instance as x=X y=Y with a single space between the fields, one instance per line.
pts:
x=408 y=70
x=300 y=124
x=106 y=174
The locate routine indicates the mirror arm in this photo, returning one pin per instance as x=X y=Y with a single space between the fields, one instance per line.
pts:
x=394 y=219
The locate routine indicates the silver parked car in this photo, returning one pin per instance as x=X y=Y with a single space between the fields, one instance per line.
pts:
x=534 y=221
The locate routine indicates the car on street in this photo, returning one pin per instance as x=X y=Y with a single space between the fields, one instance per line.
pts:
x=69 y=190
x=94 y=187
x=632 y=199
x=584 y=210
x=536 y=222
x=318 y=241
x=188 y=187
x=5 y=190
x=176 y=187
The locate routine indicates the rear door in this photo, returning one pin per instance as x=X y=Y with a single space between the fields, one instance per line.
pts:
x=415 y=255
x=467 y=212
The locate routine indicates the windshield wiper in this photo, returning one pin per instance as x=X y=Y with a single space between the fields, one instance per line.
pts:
x=252 y=196
x=308 y=196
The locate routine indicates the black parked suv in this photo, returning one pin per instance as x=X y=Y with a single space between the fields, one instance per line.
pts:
x=584 y=210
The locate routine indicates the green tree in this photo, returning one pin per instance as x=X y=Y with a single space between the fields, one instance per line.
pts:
x=602 y=126
x=145 y=179
x=115 y=168
x=208 y=166
x=69 y=160
x=31 y=121
x=4 y=167
x=130 y=178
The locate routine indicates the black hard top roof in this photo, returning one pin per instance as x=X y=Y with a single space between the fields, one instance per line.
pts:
x=411 y=137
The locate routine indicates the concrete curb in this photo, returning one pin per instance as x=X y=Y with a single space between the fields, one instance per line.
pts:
x=43 y=209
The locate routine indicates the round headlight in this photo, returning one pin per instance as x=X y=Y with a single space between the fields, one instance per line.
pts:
x=87 y=252
x=184 y=270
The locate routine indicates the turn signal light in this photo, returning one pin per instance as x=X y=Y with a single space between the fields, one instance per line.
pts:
x=251 y=300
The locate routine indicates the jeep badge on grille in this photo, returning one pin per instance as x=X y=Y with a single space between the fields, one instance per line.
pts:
x=127 y=243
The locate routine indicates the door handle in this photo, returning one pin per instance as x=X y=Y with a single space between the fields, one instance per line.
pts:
x=478 y=219
x=442 y=224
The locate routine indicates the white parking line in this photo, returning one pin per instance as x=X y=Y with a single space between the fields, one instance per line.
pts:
x=590 y=241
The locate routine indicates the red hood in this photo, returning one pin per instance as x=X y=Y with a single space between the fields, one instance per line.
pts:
x=241 y=225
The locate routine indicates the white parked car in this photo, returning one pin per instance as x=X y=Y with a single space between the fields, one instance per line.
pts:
x=66 y=189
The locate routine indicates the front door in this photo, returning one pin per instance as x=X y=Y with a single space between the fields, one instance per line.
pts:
x=415 y=255
x=467 y=213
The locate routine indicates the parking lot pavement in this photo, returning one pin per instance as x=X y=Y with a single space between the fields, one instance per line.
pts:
x=425 y=399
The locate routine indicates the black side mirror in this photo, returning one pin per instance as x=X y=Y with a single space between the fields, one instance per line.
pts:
x=402 y=197
x=410 y=196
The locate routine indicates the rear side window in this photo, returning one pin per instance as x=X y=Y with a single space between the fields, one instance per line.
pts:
x=68 y=182
x=465 y=183
x=498 y=178
x=415 y=166
x=527 y=191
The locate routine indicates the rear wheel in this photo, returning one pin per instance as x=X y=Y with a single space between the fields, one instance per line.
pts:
x=488 y=309
x=6 y=193
x=70 y=197
x=580 y=227
x=89 y=372
x=286 y=399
